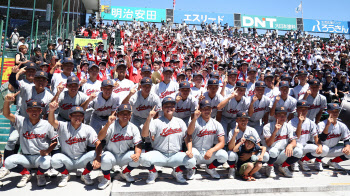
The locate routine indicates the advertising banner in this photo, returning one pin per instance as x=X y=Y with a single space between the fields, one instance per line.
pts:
x=191 y=17
x=326 y=26
x=268 y=22
x=131 y=13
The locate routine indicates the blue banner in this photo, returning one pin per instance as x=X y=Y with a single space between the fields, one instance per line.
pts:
x=326 y=26
x=191 y=17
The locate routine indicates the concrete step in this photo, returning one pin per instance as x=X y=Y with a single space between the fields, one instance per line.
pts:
x=4 y=137
x=4 y=120
x=4 y=131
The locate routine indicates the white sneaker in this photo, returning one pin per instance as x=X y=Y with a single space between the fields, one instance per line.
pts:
x=226 y=165
x=257 y=175
x=87 y=179
x=25 y=178
x=285 y=171
x=152 y=176
x=179 y=176
x=127 y=176
x=318 y=166
x=104 y=183
x=335 y=165
x=116 y=169
x=64 y=180
x=231 y=173
x=41 y=180
x=190 y=174
x=51 y=173
x=4 y=172
x=213 y=173
x=295 y=167
x=270 y=172
x=304 y=166
x=80 y=172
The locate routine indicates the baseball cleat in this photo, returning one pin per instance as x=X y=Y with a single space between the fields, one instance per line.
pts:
x=335 y=165
x=51 y=173
x=294 y=167
x=152 y=176
x=257 y=175
x=285 y=171
x=127 y=176
x=304 y=166
x=4 y=172
x=270 y=172
x=179 y=176
x=87 y=179
x=116 y=169
x=190 y=174
x=41 y=180
x=79 y=172
x=231 y=173
x=104 y=183
x=212 y=172
x=64 y=180
x=318 y=166
x=25 y=178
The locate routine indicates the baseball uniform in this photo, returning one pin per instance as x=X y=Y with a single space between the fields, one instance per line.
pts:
x=123 y=89
x=316 y=104
x=58 y=78
x=88 y=88
x=260 y=108
x=290 y=104
x=184 y=109
x=250 y=89
x=214 y=103
x=299 y=91
x=66 y=102
x=163 y=90
x=196 y=92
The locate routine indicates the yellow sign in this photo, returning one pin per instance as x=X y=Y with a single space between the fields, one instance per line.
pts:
x=8 y=64
x=85 y=41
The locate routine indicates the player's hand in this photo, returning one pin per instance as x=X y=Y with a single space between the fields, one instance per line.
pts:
x=15 y=69
x=319 y=149
x=260 y=158
x=157 y=81
x=83 y=81
x=346 y=150
x=60 y=87
x=112 y=117
x=234 y=94
x=289 y=151
x=197 y=113
x=92 y=96
x=278 y=126
x=152 y=138
x=115 y=85
x=308 y=92
x=189 y=153
x=135 y=157
x=96 y=163
x=43 y=153
x=11 y=97
x=133 y=91
x=236 y=131
x=255 y=98
x=201 y=97
x=301 y=118
x=208 y=155
x=22 y=71
x=53 y=106
x=152 y=113
x=278 y=98
x=178 y=97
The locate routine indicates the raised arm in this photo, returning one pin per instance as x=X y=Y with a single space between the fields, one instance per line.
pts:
x=6 y=110
x=145 y=128
x=52 y=120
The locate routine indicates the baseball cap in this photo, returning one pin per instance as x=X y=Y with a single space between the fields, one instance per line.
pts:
x=41 y=74
x=205 y=103
x=168 y=69
x=250 y=138
x=333 y=106
x=213 y=81
x=314 y=82
x=33 y=104
x=252 y=69
x=214 y=74
x=260 y=84
x=280 y=109
x=168 y=100
x=146 y=80
x=124 y=107
x=241 y=84
x=102 y=62
x=136 y=60
x=44 y=64
x=72 y=80
x=302 y=72
x=197 y=74
x=302 y=103
x=242 y=114
x=180 y=74
x=188 y=68
x=146 y=68
x=76 y=109
x=67 y=60
x=85 y=62
x=106 y=83
x=30 y=65
x=121 y=64
x=284 y=84
x=232 y=72
x=285 y=76
x=184 y=84
x=93 y=65
x=269 y=75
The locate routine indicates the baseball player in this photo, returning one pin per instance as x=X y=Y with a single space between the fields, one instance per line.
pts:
x=299 y=91
x=197 y=89
x=258 y=108
x=307 y=137
x=228 y=86
x=104 y=104
x=120 y=136
x=331 y=132
x=270 y=91
x=74 y=137
x=204 y=131
x=167 y=86
x=142 y=103
x=285 y=100
x=37 y=140
x=252 y=79
x=61 y=78
x=238 y=132
x=281 y=143
x=124 y=85
x=185 y=104
x=214 y=97
x=68 y=99
x=234 y=103
x=316 y=101
x=167 y=133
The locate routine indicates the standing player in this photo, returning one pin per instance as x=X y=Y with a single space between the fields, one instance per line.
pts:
x=281 y=143
x=37 y=140
x=197 y=89
x=167 y=133
x=252 y=79
x=299 y=91
x=61 y=78
x=316 y=101
x=214 y=97
x=120 y=135
x=74 y=137
x=124 y=85
x=331 y=132
x=234 y=103
x=167 y=86
x=205 y=131
x=307 y=137
x=270 y=91
x=229 y=83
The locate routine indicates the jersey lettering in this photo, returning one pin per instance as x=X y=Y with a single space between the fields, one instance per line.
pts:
x=170 y=131
x=206 y=132
x=259 y=109
x=118 y=90
x=75 y=140
x=32 y=135
x=332 y=135
x=104 y=108
x=143 y=107
x=165 y=93
x=281 y=137
x=120 y=137
x=177 y=110
x=67 y=106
